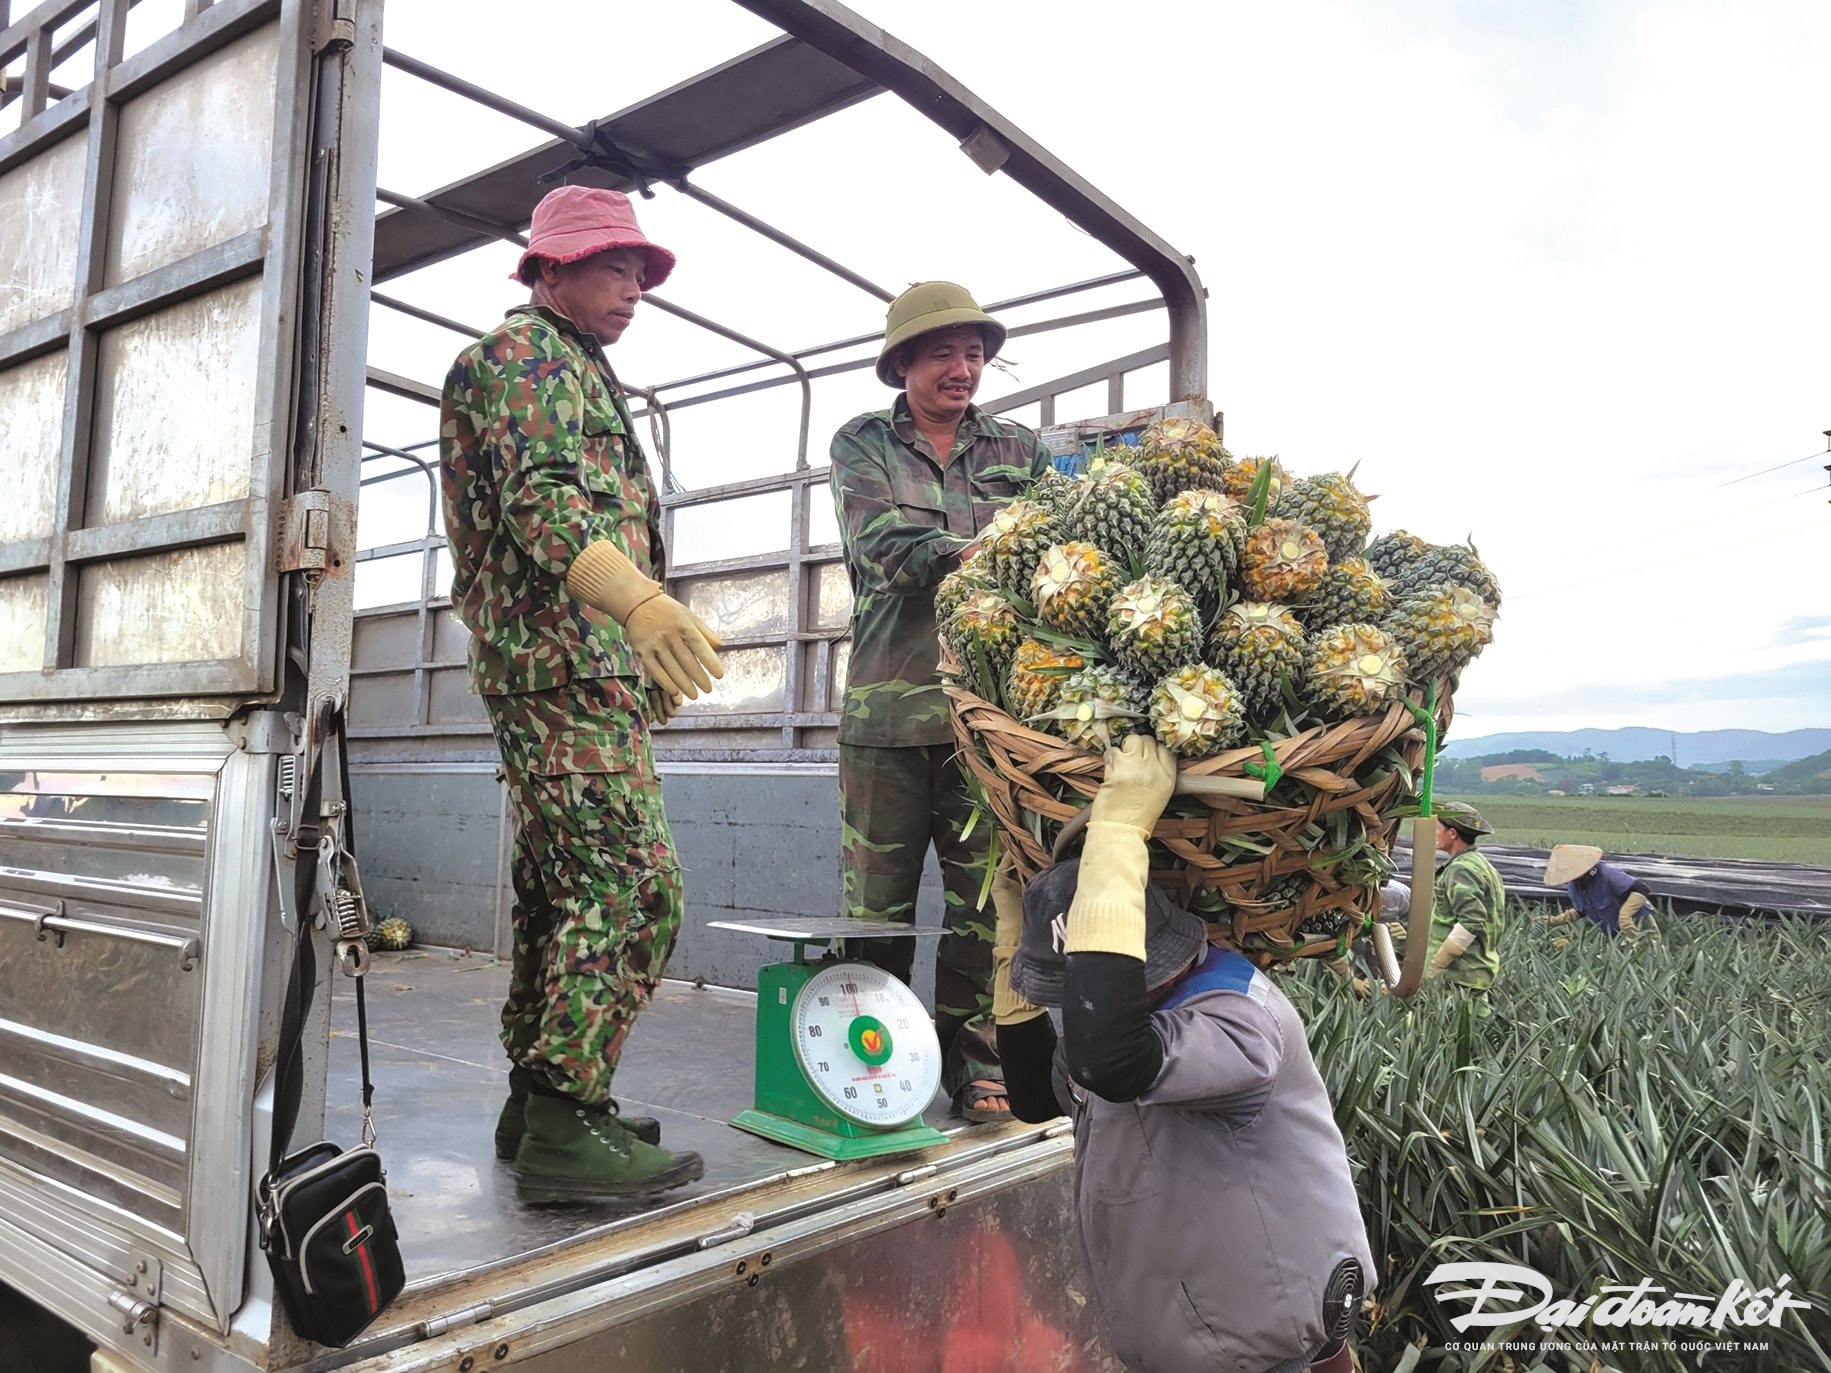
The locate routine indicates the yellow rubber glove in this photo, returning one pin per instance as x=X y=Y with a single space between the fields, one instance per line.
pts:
x=1563 y=917
x=1635 y=919
x=663 y=705
x=677 y=648
x=1008 y=1005
x=1107 y=915
x=1454 y=945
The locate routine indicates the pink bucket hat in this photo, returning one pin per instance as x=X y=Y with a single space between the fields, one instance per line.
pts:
x=572 y=222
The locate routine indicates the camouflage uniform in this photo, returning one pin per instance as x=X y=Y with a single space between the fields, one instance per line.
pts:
x=1471 y=894
x=539 y=457
x=905 y=519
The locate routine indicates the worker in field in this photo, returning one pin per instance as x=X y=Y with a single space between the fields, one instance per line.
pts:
x=557 y=562
x=1466 y=916
x=913 y=485
x=1217 y=1211
x=1614 y=901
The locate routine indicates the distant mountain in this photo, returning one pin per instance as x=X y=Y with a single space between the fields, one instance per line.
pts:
x=1703 y=748
x=1814 y=770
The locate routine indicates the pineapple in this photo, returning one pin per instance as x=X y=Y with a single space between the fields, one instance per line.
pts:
x=1073 y=586
x=1114 y=512
x=985 y=623
x=1098 y=708
x=1440 y=629
x=1456 y=563
x=1182 y=455
x=1195 y=711
x=1350 y=593
x=1331 y=506
x=1353 y=669
x=392 y=934
x=1196 y=540
x=1284 y=562
x=1014 y=543
x=1030 y=689
x=1285 y=892
x=972 y=575
x=1153 y=626
x=1237 y=481
x=1257 y=644
x=1390 y=554
x=1052 y=491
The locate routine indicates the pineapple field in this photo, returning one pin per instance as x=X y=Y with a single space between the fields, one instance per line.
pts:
x=1249 y=620
x=1649 y=1110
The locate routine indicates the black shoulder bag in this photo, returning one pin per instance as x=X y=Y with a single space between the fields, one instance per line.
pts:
x=324 y=1218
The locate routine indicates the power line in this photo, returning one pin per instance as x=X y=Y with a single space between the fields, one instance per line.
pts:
x=1790 y=462
x=1725 y=516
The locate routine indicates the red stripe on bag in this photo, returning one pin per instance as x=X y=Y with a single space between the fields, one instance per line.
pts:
x=368 y=1269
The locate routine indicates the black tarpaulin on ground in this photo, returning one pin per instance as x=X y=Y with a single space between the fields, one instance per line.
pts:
x=1732 y=885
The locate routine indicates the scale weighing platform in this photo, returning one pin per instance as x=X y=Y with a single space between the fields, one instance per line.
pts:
x=847 y=1058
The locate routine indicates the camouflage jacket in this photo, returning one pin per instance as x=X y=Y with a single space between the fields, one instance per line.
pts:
x=1471 y=894
x=538 y=457
x=905 y=519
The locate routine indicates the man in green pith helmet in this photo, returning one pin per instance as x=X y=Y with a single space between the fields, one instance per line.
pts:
x=913 y=485
x=1465 y=921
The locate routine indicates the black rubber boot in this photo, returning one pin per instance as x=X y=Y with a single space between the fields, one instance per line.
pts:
x=509 y=1124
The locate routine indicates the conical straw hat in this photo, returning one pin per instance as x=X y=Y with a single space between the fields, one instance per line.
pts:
x=1568 y=862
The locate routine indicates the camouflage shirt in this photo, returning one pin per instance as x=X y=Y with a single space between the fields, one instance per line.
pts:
x=538 y=457
x=1471 y=894
x=905 y=519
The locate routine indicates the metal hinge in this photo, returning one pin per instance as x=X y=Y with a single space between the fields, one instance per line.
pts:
x=138 y=1305
x=334 y=26
x=305 y=531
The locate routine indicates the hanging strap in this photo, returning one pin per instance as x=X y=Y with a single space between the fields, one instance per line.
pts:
x=289 y=1082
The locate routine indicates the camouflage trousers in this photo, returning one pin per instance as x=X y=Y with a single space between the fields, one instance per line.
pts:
x=894 y=803
x=597 y=885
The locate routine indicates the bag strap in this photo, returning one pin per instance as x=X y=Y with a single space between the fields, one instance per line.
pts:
x=314 y=829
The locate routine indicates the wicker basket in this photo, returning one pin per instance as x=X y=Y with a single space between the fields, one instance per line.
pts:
x=1333 y=776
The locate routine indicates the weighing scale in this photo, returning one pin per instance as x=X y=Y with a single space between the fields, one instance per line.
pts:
x=847 y=1058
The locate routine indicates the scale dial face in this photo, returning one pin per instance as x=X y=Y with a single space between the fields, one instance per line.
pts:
x=865 y=1045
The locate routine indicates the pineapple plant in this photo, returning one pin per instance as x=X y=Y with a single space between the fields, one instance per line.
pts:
x=1035 y=681
x=392 y=935
x=1353 y=669
x=1196 y=540
x=1072 y=588
x=1391 y=554
x=1440 y=629
x=1237 y=481
x=1099 y=706
x=1258 y=644
x=1014 y=543
x=1351 y=592
x=1195 y=711
x=985 y=624
x=1332 y=506
x=1283 y=561
x=1113 y=512
x=1182 y=455
x=1152 y=626
x=1457 y=563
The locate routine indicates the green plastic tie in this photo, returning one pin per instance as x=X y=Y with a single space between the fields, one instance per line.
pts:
x=1426 y=716
x=1269 y=773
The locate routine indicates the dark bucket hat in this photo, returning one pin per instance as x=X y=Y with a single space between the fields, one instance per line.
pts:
x=1173 y=937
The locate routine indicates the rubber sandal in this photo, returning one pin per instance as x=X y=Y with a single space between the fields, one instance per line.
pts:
x=967 y=1104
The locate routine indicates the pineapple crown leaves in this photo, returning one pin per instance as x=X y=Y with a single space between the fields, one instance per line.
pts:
x=1260 y=494
x=1100 y=710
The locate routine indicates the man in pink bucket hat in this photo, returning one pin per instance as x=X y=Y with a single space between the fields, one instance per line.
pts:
x=557 y=567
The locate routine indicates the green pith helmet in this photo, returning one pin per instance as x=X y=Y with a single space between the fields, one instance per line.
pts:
x=1464 y=819
x=926 y=307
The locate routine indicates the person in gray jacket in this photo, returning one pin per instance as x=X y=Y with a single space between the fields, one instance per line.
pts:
x=1217 y=1215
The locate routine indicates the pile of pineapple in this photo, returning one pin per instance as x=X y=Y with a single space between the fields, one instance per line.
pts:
x=1212 y=602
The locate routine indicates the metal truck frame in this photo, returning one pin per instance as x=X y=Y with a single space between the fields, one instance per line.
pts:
x=183 y=333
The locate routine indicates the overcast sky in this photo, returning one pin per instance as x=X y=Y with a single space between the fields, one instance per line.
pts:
x=1553 y=274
